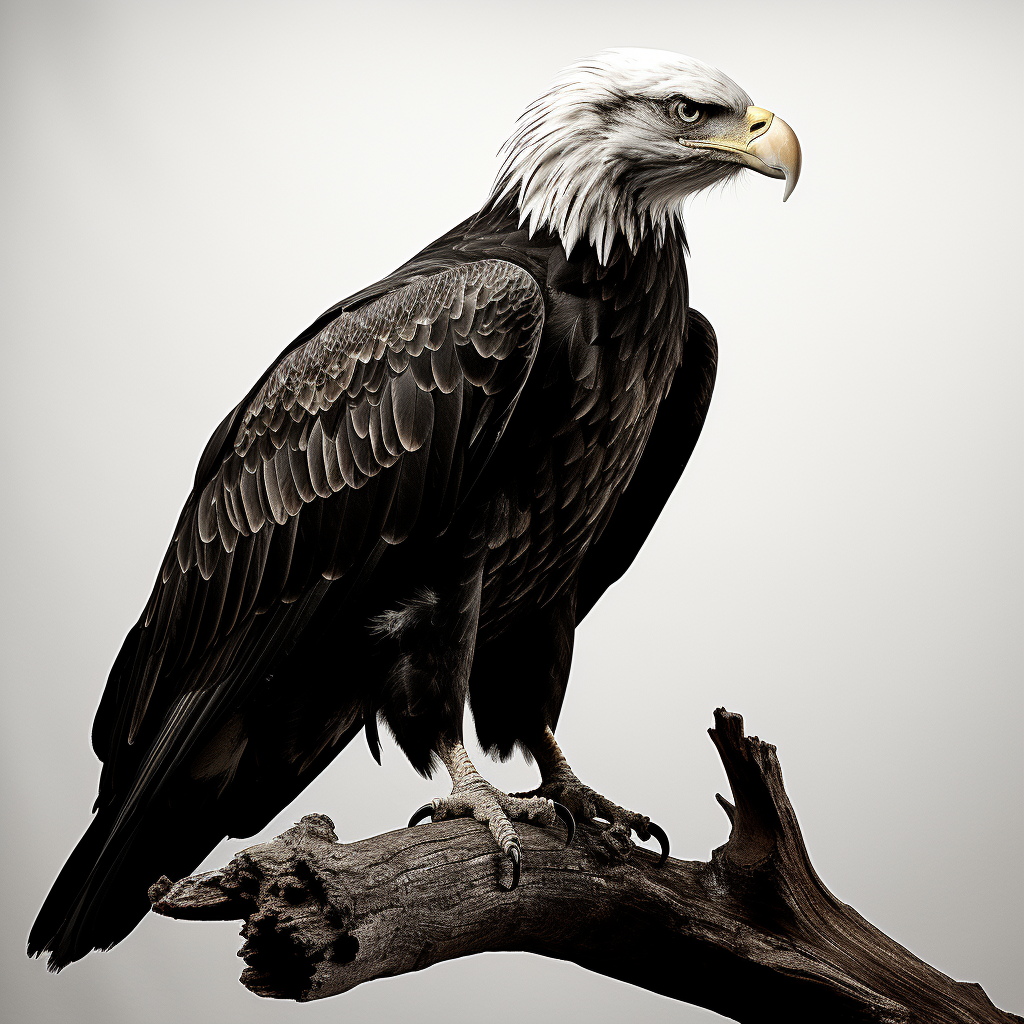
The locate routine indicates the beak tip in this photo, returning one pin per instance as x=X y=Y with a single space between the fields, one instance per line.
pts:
x=791 y=180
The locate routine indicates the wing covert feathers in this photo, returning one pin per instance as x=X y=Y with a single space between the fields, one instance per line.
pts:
x=333 y=454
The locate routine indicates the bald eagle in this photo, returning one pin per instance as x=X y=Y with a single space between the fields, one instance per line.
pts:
x=418 y=502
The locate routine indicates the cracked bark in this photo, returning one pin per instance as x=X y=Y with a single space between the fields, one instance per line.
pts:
x=750 y=931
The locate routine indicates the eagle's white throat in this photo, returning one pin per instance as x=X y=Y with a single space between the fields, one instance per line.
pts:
x=594 y=156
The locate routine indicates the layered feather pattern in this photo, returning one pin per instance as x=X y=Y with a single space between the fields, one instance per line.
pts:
x=330 y=457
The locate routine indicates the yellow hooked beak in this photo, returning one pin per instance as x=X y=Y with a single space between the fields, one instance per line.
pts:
x=758 y=140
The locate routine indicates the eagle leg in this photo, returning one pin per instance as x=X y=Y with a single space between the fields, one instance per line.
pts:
x=473 y=796
x=559 y=782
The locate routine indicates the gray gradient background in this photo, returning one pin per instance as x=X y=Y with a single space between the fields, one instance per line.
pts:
x=185 y=187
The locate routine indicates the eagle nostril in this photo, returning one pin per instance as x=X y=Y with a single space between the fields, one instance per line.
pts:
x=757 y=126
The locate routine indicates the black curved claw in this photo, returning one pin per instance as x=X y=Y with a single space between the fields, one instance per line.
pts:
x=426 y=811
x=570 y=822
x=517 y=866
x=659 y=833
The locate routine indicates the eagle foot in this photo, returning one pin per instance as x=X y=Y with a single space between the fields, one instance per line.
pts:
x=480 y=800
x=616 y=823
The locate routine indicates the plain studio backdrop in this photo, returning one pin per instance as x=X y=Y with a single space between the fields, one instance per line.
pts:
x=187 y=186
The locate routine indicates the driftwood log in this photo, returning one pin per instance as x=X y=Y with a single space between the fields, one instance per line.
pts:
x=750 y=932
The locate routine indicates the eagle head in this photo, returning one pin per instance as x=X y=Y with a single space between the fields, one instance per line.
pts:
x=622 y=138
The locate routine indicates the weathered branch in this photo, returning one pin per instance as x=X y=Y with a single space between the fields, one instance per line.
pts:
x=753 y=928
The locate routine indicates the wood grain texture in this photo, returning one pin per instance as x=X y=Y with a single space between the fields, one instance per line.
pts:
x=750 y=933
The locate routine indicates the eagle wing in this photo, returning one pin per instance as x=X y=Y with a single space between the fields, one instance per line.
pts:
x=371 y=427
x=676 y=429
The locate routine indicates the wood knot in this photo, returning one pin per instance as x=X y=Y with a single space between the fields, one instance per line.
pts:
x=159 y=889
x=317 y=826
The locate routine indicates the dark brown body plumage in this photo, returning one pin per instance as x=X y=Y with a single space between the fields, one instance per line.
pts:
x=410 y=511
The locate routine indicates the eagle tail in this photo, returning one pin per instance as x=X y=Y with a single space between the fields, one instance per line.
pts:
x=206 y=774
x=101 y=893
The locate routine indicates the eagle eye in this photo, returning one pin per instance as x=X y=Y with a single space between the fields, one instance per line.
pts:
x=688 y=111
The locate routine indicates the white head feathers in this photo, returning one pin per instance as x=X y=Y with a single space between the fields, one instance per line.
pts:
x=596 y=155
